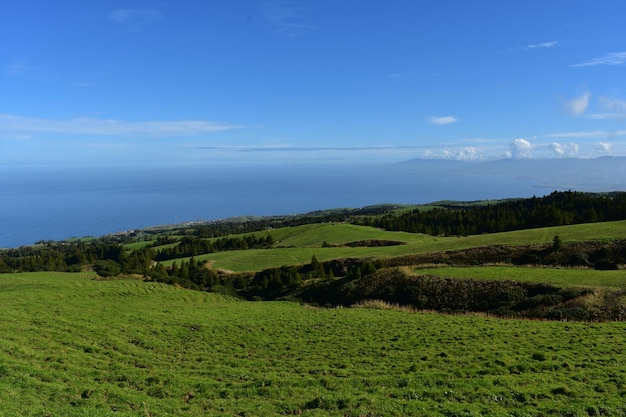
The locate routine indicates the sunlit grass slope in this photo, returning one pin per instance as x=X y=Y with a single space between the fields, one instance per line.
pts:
x=72 y=346
x=557 y=277
x=296 y=245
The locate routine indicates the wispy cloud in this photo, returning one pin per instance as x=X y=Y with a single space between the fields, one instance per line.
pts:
x=136 y=19
x=24 y=69
x=578 y=105
x=289 y=148
x=14 y=136
x=590 y=134
x=443 y=120
x=587 y=134
x=615 y=109
x=287 y=17
x=550 y=44
x=18 y=68
x=616 y=105
x=613 y=58
x=606 y=116
x=107 y=127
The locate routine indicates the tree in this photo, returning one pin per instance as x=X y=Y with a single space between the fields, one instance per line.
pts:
x=317 y=267
x=174 y=270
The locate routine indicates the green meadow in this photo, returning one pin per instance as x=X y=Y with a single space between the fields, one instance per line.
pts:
x=296 y=245
x=560 y=277
x=71 y=345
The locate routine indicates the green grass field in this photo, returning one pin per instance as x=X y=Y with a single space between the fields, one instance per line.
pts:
x=296 y=245
x=558 y=277
x=74 y=346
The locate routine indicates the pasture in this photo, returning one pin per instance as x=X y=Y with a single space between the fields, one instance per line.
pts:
x=559 y=277
x=74 y=346
x=296 y=245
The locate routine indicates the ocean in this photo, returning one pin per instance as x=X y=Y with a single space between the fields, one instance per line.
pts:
x=57 y=203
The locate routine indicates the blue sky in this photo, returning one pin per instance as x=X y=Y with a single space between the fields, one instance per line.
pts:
x=193 y=81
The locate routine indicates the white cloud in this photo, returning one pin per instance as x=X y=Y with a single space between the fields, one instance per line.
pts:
x=543 y=45
x=136 y=19
x=468 y=153
x=613 y=58
x=520 y=148
x=569 y=149
x=578 y=105
x=108 y=127
x=445 y=120
x=605 y=147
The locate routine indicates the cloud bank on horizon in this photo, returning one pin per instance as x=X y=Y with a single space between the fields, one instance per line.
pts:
x=297 y=80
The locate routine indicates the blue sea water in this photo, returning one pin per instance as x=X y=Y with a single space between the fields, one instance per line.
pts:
x=56 y=203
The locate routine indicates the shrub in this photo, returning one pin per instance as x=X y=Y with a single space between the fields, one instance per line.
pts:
x=107 y=268
x=575 y=313
x=606 y=265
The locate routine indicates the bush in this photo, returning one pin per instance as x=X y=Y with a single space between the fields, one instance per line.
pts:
x=579 y=259
x=107 y=268
x=543 y=300
x=575 y=313
x=606 y=265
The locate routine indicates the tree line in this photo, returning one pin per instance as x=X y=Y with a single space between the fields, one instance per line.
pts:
x=556 y=209
x=110 y=257
x=192 y=246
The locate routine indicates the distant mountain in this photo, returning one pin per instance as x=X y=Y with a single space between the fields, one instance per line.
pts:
x=592 y=174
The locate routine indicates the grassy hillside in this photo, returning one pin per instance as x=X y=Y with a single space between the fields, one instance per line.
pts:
x=73 y=346
x=569 y=277
x=296 y=245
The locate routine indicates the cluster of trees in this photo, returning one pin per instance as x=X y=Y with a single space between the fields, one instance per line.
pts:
x=192 y=246
x=110 y=257
x=556 y=209
x=63 y=256
x=231 y=227
x=190 y=274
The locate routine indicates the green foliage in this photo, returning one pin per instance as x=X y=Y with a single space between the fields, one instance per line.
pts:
x=501 y=297
x=107 y=268
x=190 y=246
